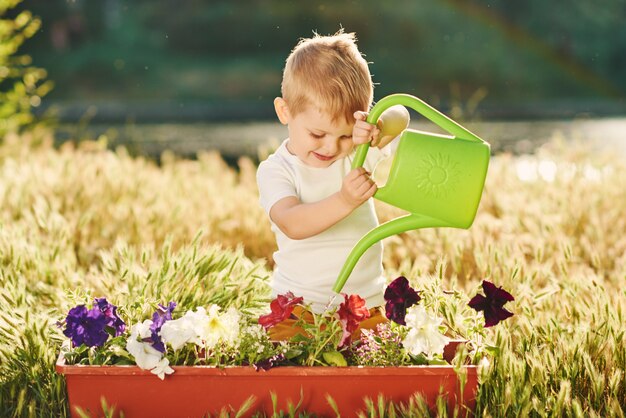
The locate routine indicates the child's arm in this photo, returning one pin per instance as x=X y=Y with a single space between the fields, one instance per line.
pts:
x=390 y=124
x=300 y=220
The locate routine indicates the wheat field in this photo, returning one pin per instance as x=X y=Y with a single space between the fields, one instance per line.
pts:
x=83 y=220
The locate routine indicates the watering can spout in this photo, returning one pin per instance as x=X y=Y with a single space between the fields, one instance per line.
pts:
x=393 y=227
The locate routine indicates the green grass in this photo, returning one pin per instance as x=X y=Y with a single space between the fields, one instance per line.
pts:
x=87 y=221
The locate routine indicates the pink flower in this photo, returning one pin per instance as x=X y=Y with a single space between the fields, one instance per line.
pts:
x=351 y=312
x=281 y=307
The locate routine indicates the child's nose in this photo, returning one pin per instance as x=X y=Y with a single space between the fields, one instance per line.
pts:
x=332 y=145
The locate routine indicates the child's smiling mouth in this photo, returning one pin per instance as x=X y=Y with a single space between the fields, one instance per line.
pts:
x=323 y=157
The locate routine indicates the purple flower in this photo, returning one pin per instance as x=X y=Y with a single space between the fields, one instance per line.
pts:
x=492 y=303
x=378 y=347
x=268 y=363
x=87 y=327
x=110 y=312
x=160 y=316
x=399 y=296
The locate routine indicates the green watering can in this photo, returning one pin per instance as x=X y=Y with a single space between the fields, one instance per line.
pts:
x=439 y=179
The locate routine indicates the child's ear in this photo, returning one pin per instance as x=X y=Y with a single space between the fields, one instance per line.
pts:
x=282 y=110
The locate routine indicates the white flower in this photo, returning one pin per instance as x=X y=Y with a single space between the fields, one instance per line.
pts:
x=255 y=331
x=162 y=368
x=196 y=320
x=146 y=356
x=423 y=336
x=218 y=327
x=203 y=328
x=178 y=332
x=231 y=319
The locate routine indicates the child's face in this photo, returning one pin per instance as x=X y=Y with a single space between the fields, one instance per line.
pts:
x=318 y=141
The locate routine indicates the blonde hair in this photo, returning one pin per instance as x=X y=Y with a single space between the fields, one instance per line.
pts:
x=328 y=72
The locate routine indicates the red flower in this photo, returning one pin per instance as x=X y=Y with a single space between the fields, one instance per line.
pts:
x=399 y=296
x=281 y=308
x=491 y=303
x=351 y=312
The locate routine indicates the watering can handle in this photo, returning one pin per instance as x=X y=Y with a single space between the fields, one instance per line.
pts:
x=420 y=107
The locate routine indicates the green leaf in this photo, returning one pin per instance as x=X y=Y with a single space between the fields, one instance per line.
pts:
x=419 y=360
x=298 y=338
x=119 y=351
x=334 y=358
x=492 y=349
x=437 y=362
x=293 y=353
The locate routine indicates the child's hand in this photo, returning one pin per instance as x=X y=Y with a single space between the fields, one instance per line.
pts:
x=364 y=132
x=357 y=187
x=390 y=124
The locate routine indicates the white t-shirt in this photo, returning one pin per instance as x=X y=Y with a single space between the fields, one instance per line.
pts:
x=309 y=267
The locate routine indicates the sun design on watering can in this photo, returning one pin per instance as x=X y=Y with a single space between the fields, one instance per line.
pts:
x=437 y=175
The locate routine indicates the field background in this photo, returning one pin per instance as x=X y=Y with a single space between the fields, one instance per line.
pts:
x=83 y=216
x=550 y=229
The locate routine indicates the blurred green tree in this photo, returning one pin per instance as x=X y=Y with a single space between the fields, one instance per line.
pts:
x=234 y=50
x=21 y=85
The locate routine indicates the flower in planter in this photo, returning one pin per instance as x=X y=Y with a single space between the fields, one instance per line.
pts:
x=381 y=346
x=159 y=318
x=178 y=332
x=110 y=312
x=89 y=326
x=399 y=296
x=142 y=348
x=350 y=313
x=424 y=335
x=219 y=327
x=205 y=329
x=270 y=362
x=216 y=337
x=281 y=307
x=492 y=303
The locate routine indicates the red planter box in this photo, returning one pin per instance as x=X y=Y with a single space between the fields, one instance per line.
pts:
x=196 y=391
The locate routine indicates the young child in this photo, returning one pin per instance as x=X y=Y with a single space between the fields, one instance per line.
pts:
x=318 y=206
